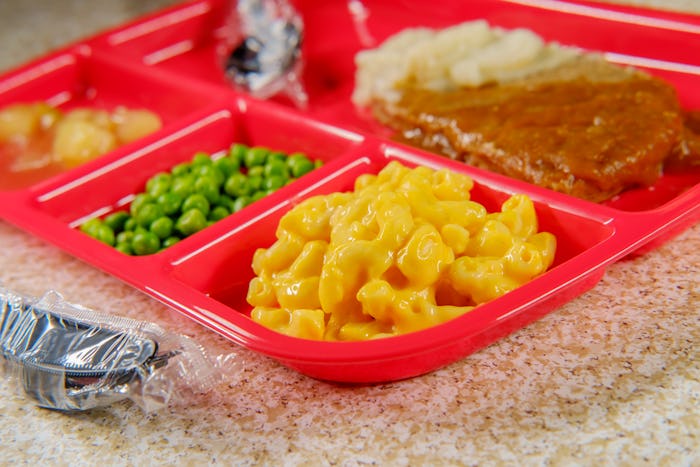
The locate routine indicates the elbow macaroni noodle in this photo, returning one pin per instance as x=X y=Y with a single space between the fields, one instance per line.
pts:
x=407 y=249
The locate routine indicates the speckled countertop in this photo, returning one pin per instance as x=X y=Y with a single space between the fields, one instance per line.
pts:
x=611 y=378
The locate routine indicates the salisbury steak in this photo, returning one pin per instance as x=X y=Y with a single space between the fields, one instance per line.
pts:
x=590 y=136
x=511 y=103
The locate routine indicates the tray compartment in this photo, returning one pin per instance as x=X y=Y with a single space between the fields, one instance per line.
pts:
x=80 y=78
x=182 y=39
x=77 y=78
x=222 y=269
x=112 y=186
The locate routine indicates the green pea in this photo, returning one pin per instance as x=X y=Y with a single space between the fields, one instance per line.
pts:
x=241 y=202
x=274 y=182
x=91 y=226
x=318 y=163
x=159 y=188
x=162 y=227
x=183 y=186
x=125 y=248
x=225 y=201
x=201 y=158
x=148 y=213
x=277 y=156
x=227 y=165
x=210 y=171
x=237 y=185
x=196 y=201
x=208 y=187
x=161 y=177
x=145 y=243
x=130 y=224
x=181 y=169
x=105 y=234
x=158 y=184
x=218 y=213
x=170 y=241
x=258 y=195
x=255 y=182
x=257 y=171
x=117 y=220
x=276 y=168
x=138 y=201
x=140 y=229
x=124 y=237
x=255 y=156
x=190 y=222
x=169 y=202
x=299 y=165
x=237 y=152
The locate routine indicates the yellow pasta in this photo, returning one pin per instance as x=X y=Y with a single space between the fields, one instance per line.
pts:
x=407 y=249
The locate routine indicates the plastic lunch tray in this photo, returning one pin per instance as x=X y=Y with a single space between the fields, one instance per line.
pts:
x=167 y=62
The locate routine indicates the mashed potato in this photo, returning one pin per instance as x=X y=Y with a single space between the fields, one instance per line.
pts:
x=468 y=54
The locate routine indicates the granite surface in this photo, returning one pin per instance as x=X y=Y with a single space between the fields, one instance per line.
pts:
x=611 y=378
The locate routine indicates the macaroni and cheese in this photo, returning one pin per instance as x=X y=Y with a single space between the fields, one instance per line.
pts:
x=407 y=249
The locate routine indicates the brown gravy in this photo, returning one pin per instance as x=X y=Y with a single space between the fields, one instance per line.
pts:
x=588 y=139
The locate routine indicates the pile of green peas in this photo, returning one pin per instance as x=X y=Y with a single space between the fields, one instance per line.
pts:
x=196 y=194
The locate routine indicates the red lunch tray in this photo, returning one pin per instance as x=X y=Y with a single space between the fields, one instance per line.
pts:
x=167 y=62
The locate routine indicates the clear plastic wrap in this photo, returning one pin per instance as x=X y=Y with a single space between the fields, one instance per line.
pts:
x=261 y=49
x=70 y=358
